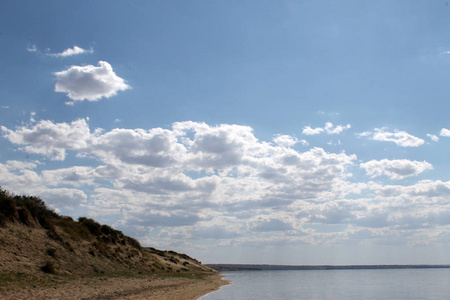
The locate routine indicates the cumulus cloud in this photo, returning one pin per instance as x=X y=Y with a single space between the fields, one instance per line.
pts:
x=288 y=141
x=89 y=82
x=20 y=165
x=329 y=128
x=63 y=197
x=197 y=181
x=50 y=139
x=445 y=132
x=312 y=131
x=395 y=169
x=72 y=51
x=400 y=138
x=23 y=178
x=222 y=154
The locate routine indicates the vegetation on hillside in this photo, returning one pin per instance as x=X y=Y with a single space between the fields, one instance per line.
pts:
x=34 y=238
x=32 y=211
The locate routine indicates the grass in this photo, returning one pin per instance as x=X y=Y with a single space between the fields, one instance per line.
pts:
x=15 y=281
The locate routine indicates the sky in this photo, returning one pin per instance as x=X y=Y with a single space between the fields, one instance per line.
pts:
x=275 y=132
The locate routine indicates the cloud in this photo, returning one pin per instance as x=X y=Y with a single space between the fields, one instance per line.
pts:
x=156 y=147
x=198 y=181
x=445 y=132
x=312 y=131
x=89 y=82
x=433 y=137
x=214 y=232
x=395 y=169
x=170 y=219
x=50 y=139
x=21 y=165
x=267 y=225
x=32 y=48
x=22 y=178
x=70 y=52
x=288 y=141
x=63 y=197
x=329 y=129
x=400 y=138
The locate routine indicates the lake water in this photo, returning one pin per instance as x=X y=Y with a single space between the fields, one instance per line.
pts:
x=335 y=284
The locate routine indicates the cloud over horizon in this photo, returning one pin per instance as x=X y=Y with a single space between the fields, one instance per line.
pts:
x=193 y=178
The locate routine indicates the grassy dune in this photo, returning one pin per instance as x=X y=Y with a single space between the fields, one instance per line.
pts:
x=45 y=255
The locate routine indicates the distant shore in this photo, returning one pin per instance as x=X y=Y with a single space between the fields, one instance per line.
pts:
x=256 y=267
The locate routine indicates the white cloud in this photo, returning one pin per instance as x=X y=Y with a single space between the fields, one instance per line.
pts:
x=89 y=82
x=20 y=165
x=311 y=131
x=22 y=178
x=50 y=139
x=395 y=169
x=445 y=132
x=71 y=51
x=433 y=137
x=400 y=138
x=32 y=48
x=288 y=141
x=74 y=176
x=329 y=129
x=197 y=181
x=63 y=197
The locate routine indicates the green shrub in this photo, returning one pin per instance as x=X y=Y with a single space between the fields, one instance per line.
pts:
x=108 y=230
x=4 y=194
x=8 y=208
x=36 y=206
x=93 y=226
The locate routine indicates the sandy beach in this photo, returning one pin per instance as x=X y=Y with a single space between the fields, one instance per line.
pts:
x=145 y=287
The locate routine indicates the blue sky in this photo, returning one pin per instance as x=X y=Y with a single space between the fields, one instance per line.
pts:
x=286 y=132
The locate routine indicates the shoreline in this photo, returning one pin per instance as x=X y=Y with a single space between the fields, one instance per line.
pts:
x=224 y=283
x=265 y=267
x=156 y=287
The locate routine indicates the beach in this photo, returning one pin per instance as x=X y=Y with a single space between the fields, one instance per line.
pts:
x=145 y=287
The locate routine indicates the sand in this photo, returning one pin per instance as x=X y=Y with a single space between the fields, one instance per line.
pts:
x=145 y=287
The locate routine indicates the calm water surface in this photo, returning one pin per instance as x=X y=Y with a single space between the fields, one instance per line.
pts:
x=336 y=284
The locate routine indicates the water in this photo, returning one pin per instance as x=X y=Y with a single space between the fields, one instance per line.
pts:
x=336 y=284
